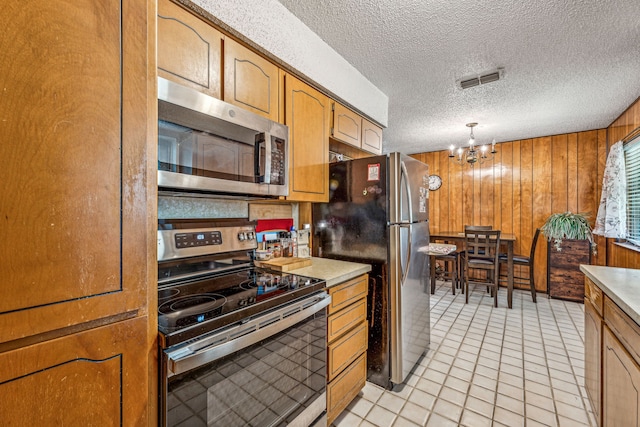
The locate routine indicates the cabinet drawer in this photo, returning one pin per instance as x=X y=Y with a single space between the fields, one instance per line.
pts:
x=594 y=294
x=348 y=292
x=625 y=329
x=346 y=386
x=342 y=321
x=346 y=349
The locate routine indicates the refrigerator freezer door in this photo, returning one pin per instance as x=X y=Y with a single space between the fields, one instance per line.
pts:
x=408 y=189
x=409 y=297
x=354 y=222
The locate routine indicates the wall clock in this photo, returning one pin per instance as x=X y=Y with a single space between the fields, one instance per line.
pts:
x=435 y=182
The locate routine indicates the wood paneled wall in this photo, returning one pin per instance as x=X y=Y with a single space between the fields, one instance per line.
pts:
x=618 y=256
x=515 y=192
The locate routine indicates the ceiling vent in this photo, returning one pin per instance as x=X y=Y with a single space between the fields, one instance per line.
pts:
x=488 y=77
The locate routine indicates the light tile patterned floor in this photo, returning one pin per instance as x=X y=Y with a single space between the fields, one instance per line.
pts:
x=489 y=367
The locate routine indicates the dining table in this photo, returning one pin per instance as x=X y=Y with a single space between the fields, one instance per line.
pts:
x=457 y=238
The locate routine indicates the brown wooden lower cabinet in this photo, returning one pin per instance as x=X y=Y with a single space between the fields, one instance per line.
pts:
x=593 y=356
x=612 y=360
x=621 y=384
x=89 y=378
x=347 y=337
x=346 y=386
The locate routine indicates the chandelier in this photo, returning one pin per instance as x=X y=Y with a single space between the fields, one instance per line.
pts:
x=473 y=154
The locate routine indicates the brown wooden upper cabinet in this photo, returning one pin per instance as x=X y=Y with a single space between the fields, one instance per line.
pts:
x=250 y=81
x=307 y=113
x=346 y=125
x=371 y=137
x=350 y=128
x=189 y=49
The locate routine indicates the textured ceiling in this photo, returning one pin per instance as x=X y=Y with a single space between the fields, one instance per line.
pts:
x=570 y=65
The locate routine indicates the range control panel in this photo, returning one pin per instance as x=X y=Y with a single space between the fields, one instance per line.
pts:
x=187 y=240
x=194 y=238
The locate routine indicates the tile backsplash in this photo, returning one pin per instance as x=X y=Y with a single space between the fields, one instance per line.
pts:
x=172 y=207
x=196 y=207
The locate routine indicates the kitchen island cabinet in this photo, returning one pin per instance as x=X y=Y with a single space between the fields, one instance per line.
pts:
x=307 y=113
x=78 y=184
x=612 y=344
x=189 y=50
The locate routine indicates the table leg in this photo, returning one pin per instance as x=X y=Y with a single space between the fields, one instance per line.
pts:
x=510 y=273
x=432 y=273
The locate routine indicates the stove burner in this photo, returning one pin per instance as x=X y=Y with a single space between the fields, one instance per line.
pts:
x=248 y=285
x=190 y=309
x=164 y=294
x=193 y=303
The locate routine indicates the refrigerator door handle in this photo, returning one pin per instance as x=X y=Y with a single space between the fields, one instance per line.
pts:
x=404 y=181
x=404 y=269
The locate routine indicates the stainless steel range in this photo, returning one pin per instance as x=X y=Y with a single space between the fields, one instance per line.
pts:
x=239 y=345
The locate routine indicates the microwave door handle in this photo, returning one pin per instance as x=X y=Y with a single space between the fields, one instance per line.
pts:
x=267 y=158
x=263 y=158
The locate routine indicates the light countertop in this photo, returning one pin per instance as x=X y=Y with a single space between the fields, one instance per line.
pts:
x=333 y=271
x=621 y=285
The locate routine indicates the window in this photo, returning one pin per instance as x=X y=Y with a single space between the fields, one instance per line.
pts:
x=632 y=165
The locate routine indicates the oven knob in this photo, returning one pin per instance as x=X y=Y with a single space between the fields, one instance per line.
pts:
x=241 y=236
x=250 y=235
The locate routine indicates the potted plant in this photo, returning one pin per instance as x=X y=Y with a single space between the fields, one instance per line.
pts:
x=568 y=225
x=573 y=244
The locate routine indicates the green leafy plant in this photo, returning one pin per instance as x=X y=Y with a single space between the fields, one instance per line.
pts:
x=568 y=225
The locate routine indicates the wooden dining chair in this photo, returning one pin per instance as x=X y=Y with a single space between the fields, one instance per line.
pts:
x=525 y=261
x=481 y=254
x=451 y=269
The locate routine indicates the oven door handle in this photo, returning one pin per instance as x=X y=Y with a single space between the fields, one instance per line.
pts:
x=230 y=341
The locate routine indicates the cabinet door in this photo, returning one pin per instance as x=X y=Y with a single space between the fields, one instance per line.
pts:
x=189 y=49
x=345 y=387
x=250 y=81
x=307 y=114
x=90 y=378
x=75 y=235
x=592 y=355
x=347 y=125
x=621 y=384
x=371 y=137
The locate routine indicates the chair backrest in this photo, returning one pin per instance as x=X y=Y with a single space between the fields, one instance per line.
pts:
x=534 y=242
x=478 y=227
x=482 y=244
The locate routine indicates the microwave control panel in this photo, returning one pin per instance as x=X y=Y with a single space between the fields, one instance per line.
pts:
x=189 y=240
x=277 y=161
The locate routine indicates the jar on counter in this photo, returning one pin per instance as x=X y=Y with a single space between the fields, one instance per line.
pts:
x=276 y=249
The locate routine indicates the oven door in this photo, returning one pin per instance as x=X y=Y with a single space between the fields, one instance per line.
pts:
x=270 y=370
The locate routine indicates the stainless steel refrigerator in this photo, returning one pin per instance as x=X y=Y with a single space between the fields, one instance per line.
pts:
x=378 y=213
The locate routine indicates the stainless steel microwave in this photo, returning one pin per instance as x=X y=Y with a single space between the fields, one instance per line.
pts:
x=207 y=145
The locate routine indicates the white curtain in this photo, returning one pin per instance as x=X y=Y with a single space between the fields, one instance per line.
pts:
x=612 y=213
